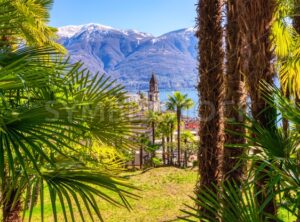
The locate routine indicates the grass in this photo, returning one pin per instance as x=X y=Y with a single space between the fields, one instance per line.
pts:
x=164 y=191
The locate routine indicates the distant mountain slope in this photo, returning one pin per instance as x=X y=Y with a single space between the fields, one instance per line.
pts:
x=131 y=56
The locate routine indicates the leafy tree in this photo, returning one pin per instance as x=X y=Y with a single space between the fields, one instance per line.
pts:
x=179 y=102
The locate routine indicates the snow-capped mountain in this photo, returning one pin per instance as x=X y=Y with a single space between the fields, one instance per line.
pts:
x=131 y=56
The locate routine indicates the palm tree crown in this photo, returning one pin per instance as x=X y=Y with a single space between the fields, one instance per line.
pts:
x=178 y=102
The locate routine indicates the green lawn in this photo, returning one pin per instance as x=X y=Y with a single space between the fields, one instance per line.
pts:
x=164 y=191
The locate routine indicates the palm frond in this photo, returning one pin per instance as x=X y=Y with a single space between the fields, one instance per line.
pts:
x=239 y=202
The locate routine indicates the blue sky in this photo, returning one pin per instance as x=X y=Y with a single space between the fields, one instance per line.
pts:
x=153 y=16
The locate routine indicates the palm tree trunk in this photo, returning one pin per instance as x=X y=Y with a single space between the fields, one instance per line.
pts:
x=211 y=93
x=153 y=142
x=296 y=20
x=256 y=17
x=235 y=97
x=133 y=160
x=153 y=132
x=12 y=211
x=171 y=145
x=185 y=154
x=185 y=159
x=141 y=157
x=178 y=136
x=163 y=151
x=168 y=150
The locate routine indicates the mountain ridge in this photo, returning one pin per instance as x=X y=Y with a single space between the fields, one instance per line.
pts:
x=131 y=56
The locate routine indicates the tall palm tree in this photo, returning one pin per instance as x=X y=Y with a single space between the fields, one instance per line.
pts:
x=235 y=96
x=171 y=123
x=179 y=102
x=211 y=90
x=256 y=18
x=187 y=138
x=167 y=124
x=278 y=152
x=144 y=141
x=171 y=144
x=163 y=129
x=152 y=119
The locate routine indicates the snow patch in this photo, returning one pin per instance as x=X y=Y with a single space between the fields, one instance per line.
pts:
x=68 y=31
x=72 y=30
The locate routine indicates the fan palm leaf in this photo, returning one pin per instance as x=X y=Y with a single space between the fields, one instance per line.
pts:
x=286 y=42
x=26 y=20
x=48 y=109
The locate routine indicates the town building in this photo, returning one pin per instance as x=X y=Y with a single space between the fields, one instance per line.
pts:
x=152 y=103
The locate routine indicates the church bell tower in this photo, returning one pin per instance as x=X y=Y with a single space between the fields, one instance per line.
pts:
x=153 y=94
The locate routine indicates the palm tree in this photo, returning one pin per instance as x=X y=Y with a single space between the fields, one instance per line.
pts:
x=179 y=102
x=171 y=124
x=277 y=158
x=235 y=96
x=43 y=127
x=27 y=21
x=286 y=43
x=152 y=119
x=144 y=141
x=166 y=128
x=171 y=144
x=163 y=129
x=211 y=90
x=296 y=18
x=296 y=25
x=260 y=67
x=256 y=18
x=187 y=138
x=51 y=111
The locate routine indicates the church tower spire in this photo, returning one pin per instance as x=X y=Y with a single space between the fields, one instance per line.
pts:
x=153 y=94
